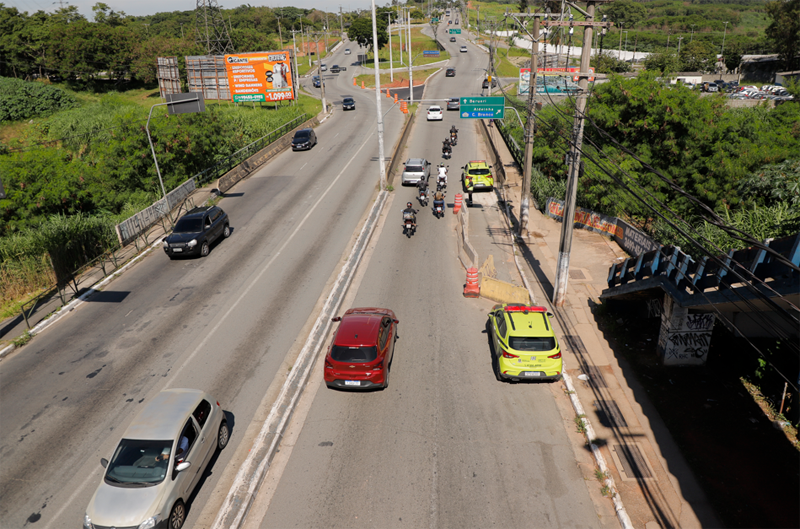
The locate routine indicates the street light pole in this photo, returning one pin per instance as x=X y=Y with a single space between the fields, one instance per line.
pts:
x=692 y=36
x=679 y=45
x=626 y=44
x=391 y=70
x=378 y=98
x=149 y=139
x=410 y=60
x=723 y=40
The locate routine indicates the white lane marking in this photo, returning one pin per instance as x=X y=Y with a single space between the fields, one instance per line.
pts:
x=70 y=500
x=129 y=313
x=303 y=166
x=263 y=270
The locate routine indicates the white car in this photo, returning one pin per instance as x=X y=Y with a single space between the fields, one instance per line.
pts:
x=347 y=51
x=435 y=113
x=463 y=49
x=323 y=68
x=158 y=462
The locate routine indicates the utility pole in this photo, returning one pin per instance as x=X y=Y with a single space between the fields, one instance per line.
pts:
x=692 y=37
x=381 y=162
x=410 y=59
x=326 y=33
x=562 y=268
x=391 y=71
x=723 y=40
x=321 y=77
x=679 y=45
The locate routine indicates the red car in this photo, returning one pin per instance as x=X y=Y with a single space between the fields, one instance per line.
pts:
x=362 y=349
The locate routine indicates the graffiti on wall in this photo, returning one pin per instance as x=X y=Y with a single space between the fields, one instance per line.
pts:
x=685 y=340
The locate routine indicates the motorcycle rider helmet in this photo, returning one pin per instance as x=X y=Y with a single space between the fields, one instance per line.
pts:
x=408 y=205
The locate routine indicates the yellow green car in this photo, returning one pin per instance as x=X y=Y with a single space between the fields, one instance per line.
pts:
x=523 y=343
x=477 y=176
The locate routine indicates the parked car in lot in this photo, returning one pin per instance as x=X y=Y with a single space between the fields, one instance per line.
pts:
x=453 y=103
x=360 y=355
x=304 y=139
x=523 y=343
x=348 y=103
x=450 y=72
x=463 y=49
x=435 y=113
x=158 y=462
x=414 y=170
x=196 y=231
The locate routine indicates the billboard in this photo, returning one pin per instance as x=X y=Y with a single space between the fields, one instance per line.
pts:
x=263 y=76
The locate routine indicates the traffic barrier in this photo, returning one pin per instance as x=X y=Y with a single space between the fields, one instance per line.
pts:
x=457 y=205
x=395 y=97
x=503 y=292
x=472 y=289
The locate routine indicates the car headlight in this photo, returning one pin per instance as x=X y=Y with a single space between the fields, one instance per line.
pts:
x=192 y=243
x=165 y=243
x=150 y=523
x=87 y=522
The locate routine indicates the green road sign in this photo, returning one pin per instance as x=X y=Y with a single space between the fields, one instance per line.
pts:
x=434 y=20
x=455 y=32
x=482 y=107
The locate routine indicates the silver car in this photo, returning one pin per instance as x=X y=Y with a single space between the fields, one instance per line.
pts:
x=158 y=462
x=416 y=169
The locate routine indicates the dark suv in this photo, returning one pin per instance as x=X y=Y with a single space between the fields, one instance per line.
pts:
x=196 y=231
x=485 y=84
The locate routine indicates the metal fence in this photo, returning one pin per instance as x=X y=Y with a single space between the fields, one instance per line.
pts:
x=511 y=143
x=131 y=227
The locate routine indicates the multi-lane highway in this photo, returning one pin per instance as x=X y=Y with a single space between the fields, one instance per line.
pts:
x=446 y=445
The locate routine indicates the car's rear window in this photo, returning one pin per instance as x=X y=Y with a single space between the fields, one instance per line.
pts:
x=341 y=353
x=188 y=225
x=525 y=343
x=414 y=168
x=348 y=100
x=480 y=172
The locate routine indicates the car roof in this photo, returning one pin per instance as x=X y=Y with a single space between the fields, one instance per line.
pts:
x=527 y=320
x=348 y=99
x=477 y=163
x=434 y=107
x=163 y=417
x=303 y=131
x=358 y=329
x=415 y=161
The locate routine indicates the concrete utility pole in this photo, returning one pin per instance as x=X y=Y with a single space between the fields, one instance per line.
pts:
x=391 y=70
x=410 y=59
x=381 y=162
x=562 y=267
x=296 y=73
x=679 y=44
x=321 y=76
x=723 y=40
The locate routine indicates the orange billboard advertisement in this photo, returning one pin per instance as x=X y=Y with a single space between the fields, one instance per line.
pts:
x=263 y=76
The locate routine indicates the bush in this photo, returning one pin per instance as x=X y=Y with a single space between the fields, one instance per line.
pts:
x=24 y=99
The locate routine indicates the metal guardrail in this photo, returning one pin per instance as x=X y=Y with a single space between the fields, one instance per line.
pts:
x=131 y=227
x=511 y=143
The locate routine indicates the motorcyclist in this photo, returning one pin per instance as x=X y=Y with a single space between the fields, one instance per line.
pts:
x=410 y=210
x=442 y=176
x=446 y=147
x=422 y=187
x=454 y=132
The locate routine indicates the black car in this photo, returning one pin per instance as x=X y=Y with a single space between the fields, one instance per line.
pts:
x=348 y=103
x=335 y=68
x=196 y=231
x=316 y=81
x=452 y=39
x=450 y=72
x=304 y=139
x=452 y=103
x=485 y=84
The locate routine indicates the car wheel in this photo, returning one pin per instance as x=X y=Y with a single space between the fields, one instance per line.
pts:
x=226 y=232
x=204 y=249
x=177 y=516
x=386 y=378
x=223 y=436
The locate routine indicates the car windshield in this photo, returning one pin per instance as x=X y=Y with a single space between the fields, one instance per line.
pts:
x=413 y=168
x=354 y=354
x=480 y=172
x=349 y=100
x=138 y=463
x=188 y=225
x=539 y=343
x=434 y=109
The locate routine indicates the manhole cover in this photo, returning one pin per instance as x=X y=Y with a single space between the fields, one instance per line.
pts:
x=609 y=414
x=576 y=274
x=632 y=463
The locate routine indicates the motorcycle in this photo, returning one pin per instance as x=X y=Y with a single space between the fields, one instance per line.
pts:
x=409 y=224
x=453 y=138
x=447 y=152
x=438 y=208
x=423 y=196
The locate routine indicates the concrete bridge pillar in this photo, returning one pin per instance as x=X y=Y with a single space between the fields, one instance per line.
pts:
x=685 y=337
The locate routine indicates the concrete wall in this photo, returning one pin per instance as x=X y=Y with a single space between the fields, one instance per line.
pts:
x=685 y=336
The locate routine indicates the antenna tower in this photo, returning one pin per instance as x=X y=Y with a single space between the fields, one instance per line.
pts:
x=210 y=29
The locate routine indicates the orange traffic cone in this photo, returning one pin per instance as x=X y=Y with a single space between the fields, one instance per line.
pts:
x=472 y=289
x=354 y=81
x=362 y=84
x=387 y=93
x=395 y=97
x=457 y=204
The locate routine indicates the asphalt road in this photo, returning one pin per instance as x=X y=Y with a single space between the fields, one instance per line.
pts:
x=446 y=445
x=223 y=324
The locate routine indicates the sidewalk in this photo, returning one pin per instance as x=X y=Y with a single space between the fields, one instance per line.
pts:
x=652 y=478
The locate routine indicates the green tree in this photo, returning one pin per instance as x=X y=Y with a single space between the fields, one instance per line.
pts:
x=664 y=61
x=361 y=31
x=698 y=56
x=784 y=31
x=607 y=63
x=625 y=13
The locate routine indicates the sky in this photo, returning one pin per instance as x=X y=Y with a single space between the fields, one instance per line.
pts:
x=150 y=7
